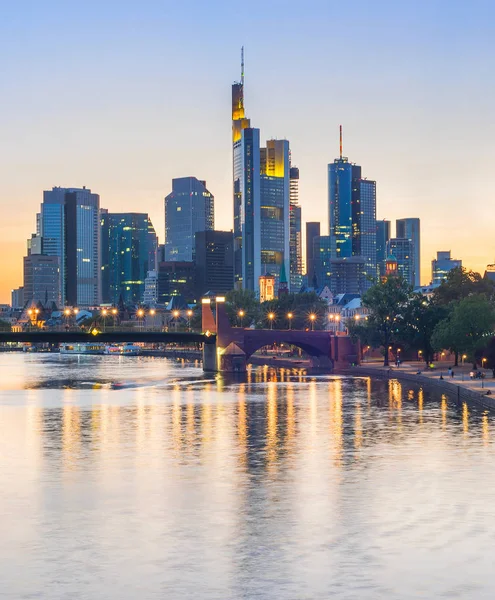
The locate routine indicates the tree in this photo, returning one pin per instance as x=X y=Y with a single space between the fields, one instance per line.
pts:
x=386 y=301
x=461 y=283
x=242 y=307
x=468 y=327
x=300 y=306
x=488 y=353
x=5 y=325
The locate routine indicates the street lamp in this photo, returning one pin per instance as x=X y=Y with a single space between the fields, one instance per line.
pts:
x=289 y=318
x=104 y=312
x=271 y=316
x=140 y=315
x=152 y=314
x=241 y=314
x=464 y=356
x=189 y=315
x=176 y=315
x=356 y=317
x=483 y=361
x=312 y=318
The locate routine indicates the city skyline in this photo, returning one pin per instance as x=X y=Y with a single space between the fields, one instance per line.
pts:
x=411 y=133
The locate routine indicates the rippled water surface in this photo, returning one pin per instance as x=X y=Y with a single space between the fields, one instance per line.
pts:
x=176 y=485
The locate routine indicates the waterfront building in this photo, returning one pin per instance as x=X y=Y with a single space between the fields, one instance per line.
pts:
x=267 y=287
x=382 y=237
x=176 y=279
x=441 y=265
x=129 y=247
x=69 y=223
x=295 y=228
x=312 y=232
x=402 y=250
x=410 y=229
x=150 y=297
x=352 y=212
x=189 y=208
x=214 y=260
x=41 y=279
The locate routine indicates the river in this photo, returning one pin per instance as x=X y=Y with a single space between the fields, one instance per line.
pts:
x=131 y=477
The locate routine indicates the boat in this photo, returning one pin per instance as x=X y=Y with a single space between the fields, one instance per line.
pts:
x=124 y=350
x=82 y=348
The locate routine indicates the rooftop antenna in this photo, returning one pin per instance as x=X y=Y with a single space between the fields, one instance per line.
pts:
x=242 y=65
x=341 y=142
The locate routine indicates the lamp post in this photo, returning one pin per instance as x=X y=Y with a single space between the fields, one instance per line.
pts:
x=289 y=318
x=312 y=318
x=189 y=315
x=67 y=315
x=152 y=314
x=271 y=316
x=464 y=356
x=115 y=312
x=241 y=314
x=176 y=315
x=104 y=313
x=140 y=314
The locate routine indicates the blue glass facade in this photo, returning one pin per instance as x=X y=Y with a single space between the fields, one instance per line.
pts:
x=402 y=250
x=382 y=237
x=410 y=229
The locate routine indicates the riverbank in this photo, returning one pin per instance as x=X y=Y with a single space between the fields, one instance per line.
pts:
x=461 y=386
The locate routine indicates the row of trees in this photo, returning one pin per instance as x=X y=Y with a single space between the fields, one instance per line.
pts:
x=460 y=317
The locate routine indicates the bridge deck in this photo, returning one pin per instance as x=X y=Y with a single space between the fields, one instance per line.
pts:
x=61 y=337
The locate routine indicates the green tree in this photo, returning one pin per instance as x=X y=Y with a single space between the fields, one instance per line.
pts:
x=242 y=307
x=5 y=325
x=386 y=302
x=469 y=326
x=461 y=283
x=300 y=306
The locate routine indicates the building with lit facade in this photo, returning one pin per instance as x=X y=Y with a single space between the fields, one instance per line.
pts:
x=402 y=250
x=295 y=229
x=267 y=287
x=410 y=229
x=189 y=208
x=382 y=237
x=41 y=279
x=214 y=260
x=441 y=265
x=261 y=194
x=150 y=297
x=352 y=213
x=176 y=279
x=129 y=249
x=312 y=232
x=69 y=223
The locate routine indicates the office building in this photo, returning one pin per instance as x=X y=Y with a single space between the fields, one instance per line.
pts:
x=402 y=250
x=410 y=229
x=267 y=287
x=261 y=186
x=382 y=237
x=17 y=298
x=69 y=224
x=176 y=279
x=214 y=260
x=189 y=208
x=295 y=229
x=321 y=257
x=490 y=272
x=129 y=247
x=441 y=265
x=352 y=212
x=312 y=232
x=348 y=275
x=41 y=279
x=150 y=297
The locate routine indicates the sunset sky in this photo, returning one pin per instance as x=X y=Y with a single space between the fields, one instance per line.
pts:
x=123 y=96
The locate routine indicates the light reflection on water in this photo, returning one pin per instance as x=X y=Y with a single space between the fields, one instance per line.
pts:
x=280 y=486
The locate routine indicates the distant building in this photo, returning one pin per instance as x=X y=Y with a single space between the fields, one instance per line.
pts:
x=41 y=279
x=402 y=250
x=150 y=297
x=441 y=265
x=295 y=226
x=129 y=247
x=17 y=298
x=321 y=256
x=214 y=260
x=382 y=237
x=312 y=232
x=266 y=287
x=410 y=229
x=176 y=278
x=490 y=272
x=189 y=208
x=349 y=275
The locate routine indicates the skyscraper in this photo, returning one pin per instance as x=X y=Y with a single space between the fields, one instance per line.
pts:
x=41 y=279
x=402 y=250
x=409 y=229
x=261 y=188
x=312 y=232
x=382 y=237
x=70 y=228
x=352 y=213
x=441 y=265
x=214 y=260
x=129 y=246
x=189 y=208
x=295 y=226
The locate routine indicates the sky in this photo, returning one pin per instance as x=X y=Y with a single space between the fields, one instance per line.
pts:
x=124 y=96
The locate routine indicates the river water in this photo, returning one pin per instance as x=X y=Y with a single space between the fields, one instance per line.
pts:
x=284 y=486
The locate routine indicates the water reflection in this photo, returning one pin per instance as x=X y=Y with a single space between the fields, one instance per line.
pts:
x=280 y=486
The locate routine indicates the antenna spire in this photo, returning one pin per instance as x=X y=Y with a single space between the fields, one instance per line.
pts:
x=341 y=142
x=242 y=65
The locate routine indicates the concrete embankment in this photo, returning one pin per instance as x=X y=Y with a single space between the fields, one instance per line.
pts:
x=460 y=392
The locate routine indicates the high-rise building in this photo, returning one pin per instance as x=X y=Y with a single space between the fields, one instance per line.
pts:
x=214 y=260
x=176 y=278
x=129 y=246
x=348 y=275
x=261 y=187
x=321 y=257
x=382 y=237
x=189 y=208
x=312 y=232
x=352 y=213
x=295 y=226
x=150 y=297
x=410 y=229
x=441 y=265
x=41 y=279
x=267 y=287
x=402 y=250
x=490 y=272
x=17 y=298
x=69 y=224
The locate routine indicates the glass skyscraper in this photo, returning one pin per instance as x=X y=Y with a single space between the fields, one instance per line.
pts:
x=402 y=250
x=129 y=246
x=189 y=208
x=295 y=225
x=409 y=229
x=442 y=265
x=382 y=237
